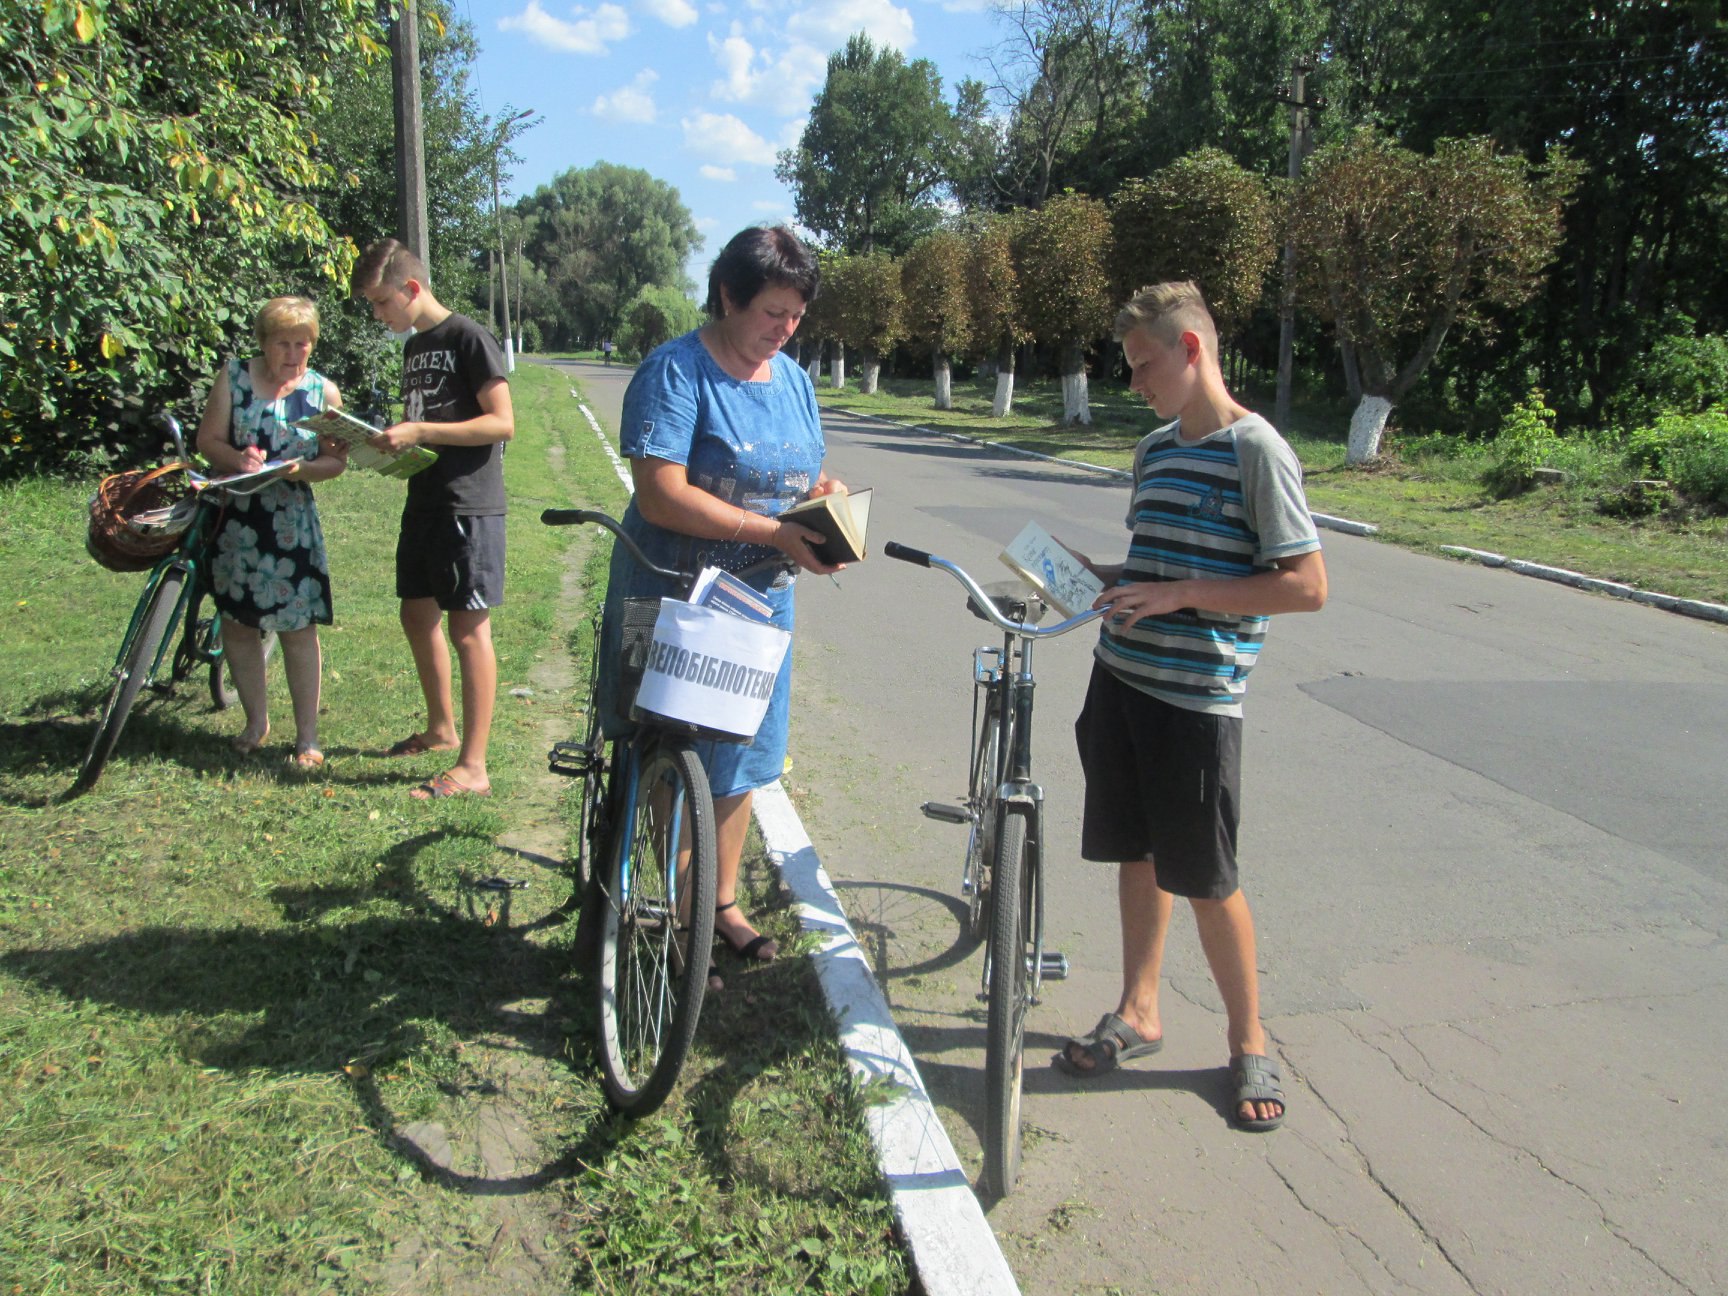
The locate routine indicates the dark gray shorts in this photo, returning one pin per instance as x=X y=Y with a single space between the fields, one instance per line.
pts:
x=1161 y=782
x=456 y=561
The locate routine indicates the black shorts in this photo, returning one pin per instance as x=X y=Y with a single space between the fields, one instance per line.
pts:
x=1161 y=782
x=457 y=561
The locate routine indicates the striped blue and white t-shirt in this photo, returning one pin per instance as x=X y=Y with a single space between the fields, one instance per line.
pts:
x=1225 y=506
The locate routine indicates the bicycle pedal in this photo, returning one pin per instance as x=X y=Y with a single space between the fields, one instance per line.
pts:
x=946 y=813
x=1053 y=966
x=572 y=760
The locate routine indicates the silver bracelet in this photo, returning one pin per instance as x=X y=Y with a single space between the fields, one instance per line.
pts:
x=739 y=529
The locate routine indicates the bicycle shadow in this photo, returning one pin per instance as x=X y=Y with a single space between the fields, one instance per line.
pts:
x=362 y=978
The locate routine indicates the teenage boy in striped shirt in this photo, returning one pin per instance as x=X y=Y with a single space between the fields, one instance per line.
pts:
x=1221 y=540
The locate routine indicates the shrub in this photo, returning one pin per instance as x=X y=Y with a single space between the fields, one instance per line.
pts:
x=1683 y=373
x=1695 y=458
x=1525 y=441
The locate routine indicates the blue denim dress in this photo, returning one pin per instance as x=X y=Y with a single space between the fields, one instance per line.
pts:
x=758 y=445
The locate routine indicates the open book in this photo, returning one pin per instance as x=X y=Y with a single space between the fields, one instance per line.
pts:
x=841 y=518
x=1058 y=576
x=356 y=435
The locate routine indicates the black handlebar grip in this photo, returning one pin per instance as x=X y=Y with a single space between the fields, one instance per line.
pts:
x=567 y=517
x=894 y=549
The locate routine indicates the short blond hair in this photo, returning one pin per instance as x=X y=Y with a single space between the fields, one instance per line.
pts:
x=286 y=315
x=1167 y=310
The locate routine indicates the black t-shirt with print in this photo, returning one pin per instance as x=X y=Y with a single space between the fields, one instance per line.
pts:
x=443 y=370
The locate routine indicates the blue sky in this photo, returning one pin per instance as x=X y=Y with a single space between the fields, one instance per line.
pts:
x=699 y=93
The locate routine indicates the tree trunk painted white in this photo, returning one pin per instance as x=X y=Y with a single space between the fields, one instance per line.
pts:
x=837 y=367
x=944 y=384
x=1004 y=401
x=1075 y=408
x=814 y=368
x=869 y=370
x=1366 y=426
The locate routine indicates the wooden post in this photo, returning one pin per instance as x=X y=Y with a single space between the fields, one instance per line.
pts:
x=410 y=136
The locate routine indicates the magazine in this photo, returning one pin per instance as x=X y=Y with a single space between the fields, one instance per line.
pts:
x=357 y=436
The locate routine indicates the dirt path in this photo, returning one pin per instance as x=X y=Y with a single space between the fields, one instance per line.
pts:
x=494 y=1137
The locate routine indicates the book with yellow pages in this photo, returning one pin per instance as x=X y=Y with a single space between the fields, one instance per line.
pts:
x=1060 y=578
x=357 y=436
x=842 y=519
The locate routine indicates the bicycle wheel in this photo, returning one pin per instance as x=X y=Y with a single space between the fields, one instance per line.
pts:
x=137 y=660
x=1005 y=1038
x=981 y=801
x=653 y=966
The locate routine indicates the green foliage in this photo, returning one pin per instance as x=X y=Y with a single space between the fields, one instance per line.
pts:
x=866 y=169
x=1398 y=249
x=998 y=325
x=1689 y=450
x=598 y=236
x=1526 y=440
x=1202 y=218
x=933 y=277
x=863 y=302
x=1682 y=373
x=1062 y=258
x=657 y=315
x=156 y=183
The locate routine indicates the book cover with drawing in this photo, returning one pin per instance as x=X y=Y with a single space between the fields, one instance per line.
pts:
x=841 y=517
x=1039 y=559
x=721 y=589
x=356 y=435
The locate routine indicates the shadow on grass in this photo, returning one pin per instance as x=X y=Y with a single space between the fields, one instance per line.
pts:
x=321 y=995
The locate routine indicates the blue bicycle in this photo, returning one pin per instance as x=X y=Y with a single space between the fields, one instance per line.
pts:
x=646 y=863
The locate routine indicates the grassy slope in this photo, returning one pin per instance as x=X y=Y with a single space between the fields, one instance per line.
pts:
x=1421 y=507
x=225 y=986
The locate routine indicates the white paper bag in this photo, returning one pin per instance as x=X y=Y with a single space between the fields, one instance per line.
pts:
x=710 y=668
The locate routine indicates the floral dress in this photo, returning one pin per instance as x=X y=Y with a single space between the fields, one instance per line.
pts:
x=270 y=569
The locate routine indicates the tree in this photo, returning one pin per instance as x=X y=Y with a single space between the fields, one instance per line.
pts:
x=1062 y=259
x=1067 y=75
x=933 y=280
x=998 y=327
x=865 y=309
x=1397 y=249
x=1202 y=218
x=157 y=178
x=601 y=235
x=355 y=139
x=868 y=166
x=657 y=315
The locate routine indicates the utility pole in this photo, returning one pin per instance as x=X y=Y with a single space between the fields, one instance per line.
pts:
x=498 y=141
x=410 y=136
x=1292 y=94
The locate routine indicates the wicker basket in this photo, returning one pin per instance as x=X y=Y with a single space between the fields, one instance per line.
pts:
x=111 y=538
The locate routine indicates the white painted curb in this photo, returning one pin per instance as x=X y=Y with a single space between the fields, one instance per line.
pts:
x=1577 y=580
x=953 y=1250
x=952 y=1247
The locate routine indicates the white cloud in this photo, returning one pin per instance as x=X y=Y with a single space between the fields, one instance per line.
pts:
x=674 y=13
x=750 y=75
x=631 y=103
x=734 y=55
x=724 y=139
x=828 y=23
x=725 y=174
x=588 y=34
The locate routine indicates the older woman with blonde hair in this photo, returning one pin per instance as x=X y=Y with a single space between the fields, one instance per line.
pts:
x=270 y=572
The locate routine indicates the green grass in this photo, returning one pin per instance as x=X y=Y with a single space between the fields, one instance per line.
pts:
x=227 y=990
x=1421 y=504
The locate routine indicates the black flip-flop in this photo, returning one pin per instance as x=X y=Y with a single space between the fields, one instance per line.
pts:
x=1111 y=1043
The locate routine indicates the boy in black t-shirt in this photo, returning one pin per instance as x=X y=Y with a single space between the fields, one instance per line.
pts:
x=450 y=554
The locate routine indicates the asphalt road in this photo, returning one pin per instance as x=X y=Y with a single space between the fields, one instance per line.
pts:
x=1484 y=841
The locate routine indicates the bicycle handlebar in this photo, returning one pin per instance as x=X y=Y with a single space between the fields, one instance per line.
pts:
x=575 y=517
x=983 y=602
